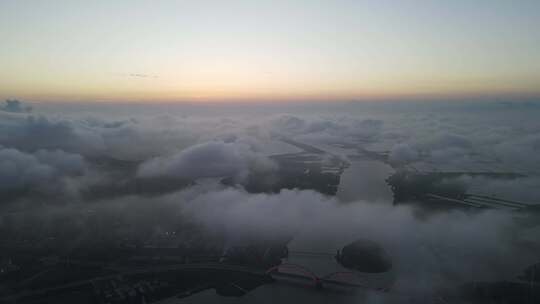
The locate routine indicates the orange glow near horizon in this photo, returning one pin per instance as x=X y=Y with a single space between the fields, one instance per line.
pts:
x=248 y=93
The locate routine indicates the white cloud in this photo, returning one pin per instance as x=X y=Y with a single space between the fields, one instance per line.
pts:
x=448 y=248
x=211 y=159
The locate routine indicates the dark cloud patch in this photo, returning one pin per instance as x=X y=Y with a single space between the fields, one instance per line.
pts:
x=45 y=172
x=124 y=139
x=15 y=106
x=31 y=133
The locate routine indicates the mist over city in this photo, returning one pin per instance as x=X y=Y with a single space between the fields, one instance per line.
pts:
x=182 y=152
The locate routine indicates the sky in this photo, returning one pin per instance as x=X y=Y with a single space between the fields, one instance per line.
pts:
x=268 y=50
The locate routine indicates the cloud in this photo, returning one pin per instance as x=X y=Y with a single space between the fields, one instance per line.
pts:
x=523 y=152
x=211 y=159
x=428 y=255
x=145 y=138
x=31 y=133
x=436 y=253
x=402 y=154
x=323 y=129
x=141 y=75
x=123 y=139
x=161 y=136
x=15 y=106
x=43 y=172
x=447 y=140
x=54 y=154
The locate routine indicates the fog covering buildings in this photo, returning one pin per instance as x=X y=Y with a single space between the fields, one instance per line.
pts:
x=116 y=203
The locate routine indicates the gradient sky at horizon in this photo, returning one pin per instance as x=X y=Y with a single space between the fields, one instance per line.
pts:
x=267 y=50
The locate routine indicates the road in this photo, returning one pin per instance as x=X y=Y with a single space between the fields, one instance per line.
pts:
x=142 y=270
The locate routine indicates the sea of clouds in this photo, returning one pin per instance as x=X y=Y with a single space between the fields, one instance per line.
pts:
x=52 y=156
